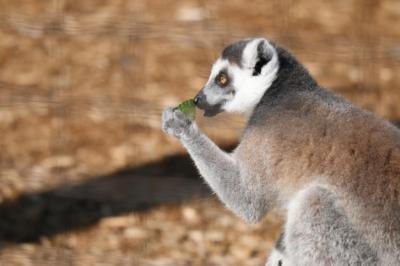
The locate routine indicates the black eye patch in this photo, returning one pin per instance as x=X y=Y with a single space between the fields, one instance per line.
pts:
x=259 y=65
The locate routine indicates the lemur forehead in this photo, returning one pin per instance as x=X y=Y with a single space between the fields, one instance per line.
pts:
x=219 y=66
x=233 y=53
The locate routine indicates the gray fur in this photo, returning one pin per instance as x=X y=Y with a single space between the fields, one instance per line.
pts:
x=334 y=167
x=318 y=231
x=280 y=245
x=220 y=169
x=234 y=52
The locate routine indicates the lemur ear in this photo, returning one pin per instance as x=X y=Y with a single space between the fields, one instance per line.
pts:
x=263 y=57
x=256 y=55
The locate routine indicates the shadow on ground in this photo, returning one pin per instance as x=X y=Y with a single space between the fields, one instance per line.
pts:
x=33 y=216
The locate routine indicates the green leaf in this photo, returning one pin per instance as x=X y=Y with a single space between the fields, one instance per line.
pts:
x=188 y=108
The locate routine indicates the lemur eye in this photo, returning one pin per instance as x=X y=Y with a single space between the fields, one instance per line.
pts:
x=222 y=79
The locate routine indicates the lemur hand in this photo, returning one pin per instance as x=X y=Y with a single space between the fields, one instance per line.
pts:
x=177 y=124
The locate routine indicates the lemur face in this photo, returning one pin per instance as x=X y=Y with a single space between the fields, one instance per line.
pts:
x=239 y=77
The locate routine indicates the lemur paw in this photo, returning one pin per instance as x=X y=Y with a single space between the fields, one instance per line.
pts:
x=175 y=123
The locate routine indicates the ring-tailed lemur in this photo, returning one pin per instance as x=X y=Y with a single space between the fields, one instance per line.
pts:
x=334 y=167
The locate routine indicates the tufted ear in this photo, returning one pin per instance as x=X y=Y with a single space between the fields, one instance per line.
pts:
x=264 y=55
x=256 y=55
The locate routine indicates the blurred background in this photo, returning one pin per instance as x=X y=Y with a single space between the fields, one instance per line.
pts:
x=86 y=175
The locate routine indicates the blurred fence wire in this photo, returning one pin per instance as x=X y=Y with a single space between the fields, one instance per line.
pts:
x=97 y=61
x=202 y=27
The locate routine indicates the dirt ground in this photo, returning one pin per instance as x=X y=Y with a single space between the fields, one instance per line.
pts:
x=86 y=175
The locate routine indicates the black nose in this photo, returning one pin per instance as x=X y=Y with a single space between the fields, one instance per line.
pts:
x=199 y=99
x=196 y=100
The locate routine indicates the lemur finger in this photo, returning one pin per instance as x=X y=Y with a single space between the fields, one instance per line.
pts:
x=168 y=112
x=180 y=115
x=169 y=129
x=165 y=127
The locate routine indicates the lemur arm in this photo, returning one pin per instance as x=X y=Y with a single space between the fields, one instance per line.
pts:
x=219 y=169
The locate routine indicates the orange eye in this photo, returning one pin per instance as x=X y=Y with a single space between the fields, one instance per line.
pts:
x=222 y=79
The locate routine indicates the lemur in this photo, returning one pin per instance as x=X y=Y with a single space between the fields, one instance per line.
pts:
x=332 y=167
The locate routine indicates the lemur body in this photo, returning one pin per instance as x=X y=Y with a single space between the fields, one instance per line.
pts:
x=334 y=167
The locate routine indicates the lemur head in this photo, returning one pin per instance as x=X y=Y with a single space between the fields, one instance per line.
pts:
x=239 y=77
